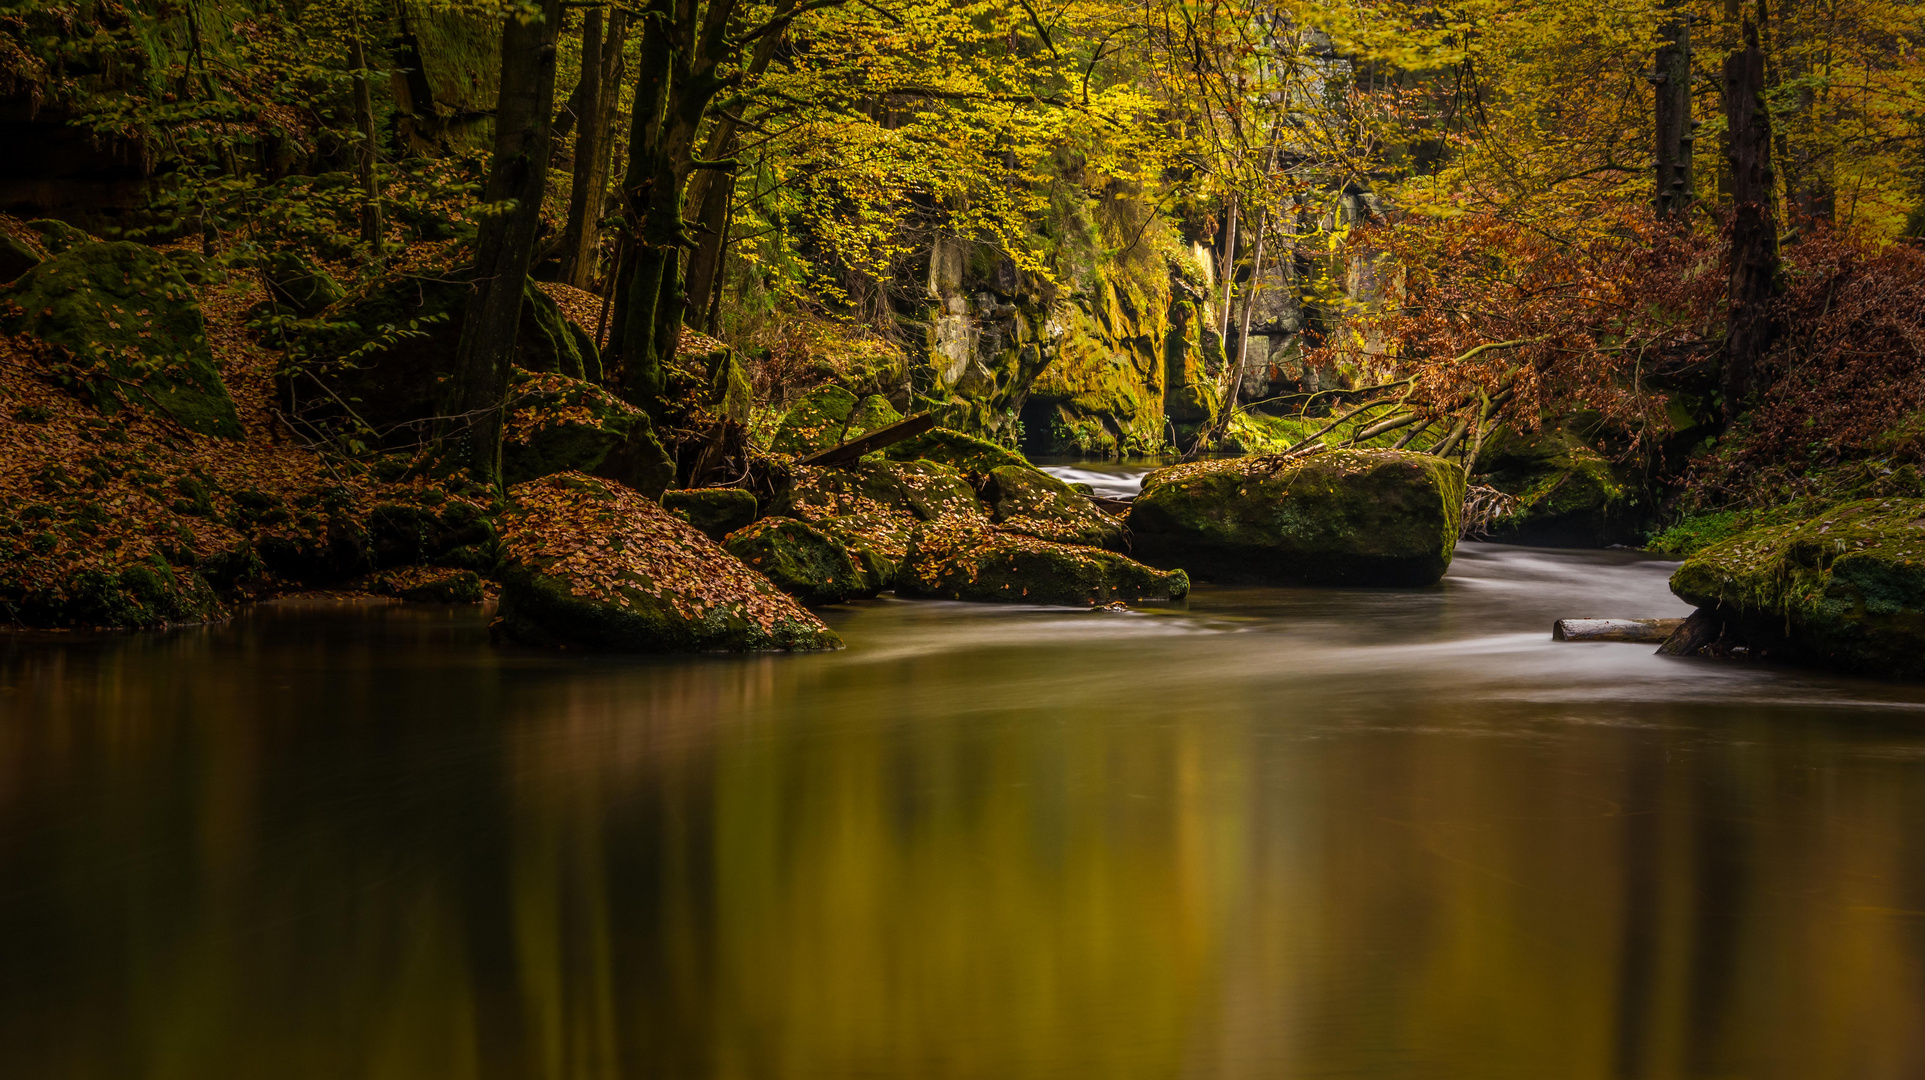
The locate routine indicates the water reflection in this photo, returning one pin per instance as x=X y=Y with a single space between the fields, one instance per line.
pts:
x=1274 y=833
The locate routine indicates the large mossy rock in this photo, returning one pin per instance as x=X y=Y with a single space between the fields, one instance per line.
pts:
x=1844 y=590
x=558 y=424
x=803 y=561
x=964 y=453
x=146 y=594
x=873 y=506
x=1361 y=517
x=385 y=349
x=716 y=511
x=956 y=560
x=1029 y=501
x=128 y=330
x=830 y=416
x=1568 y=494
x=590 y=564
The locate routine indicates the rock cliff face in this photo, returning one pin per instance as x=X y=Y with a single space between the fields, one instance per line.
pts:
x=1114 y=359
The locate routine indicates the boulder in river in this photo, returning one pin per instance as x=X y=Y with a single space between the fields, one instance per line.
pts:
x=125 y=327
x=803 y=561
x=1568 y=494
x=959 y=560
x=1031 y=501
x=1845 y=590
x=1358 y=517
x=588 y=563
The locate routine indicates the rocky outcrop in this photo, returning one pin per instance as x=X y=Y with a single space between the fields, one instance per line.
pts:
x=559 y=424
x=717 y=512
x=1844 y=590
x=964 y=453
x=587 y=563
x=1569 y=494
x=124 y=328
x=1360 y=517
x=830 y=416
x=1029 y=501
x=957 y=560
x=804 y=561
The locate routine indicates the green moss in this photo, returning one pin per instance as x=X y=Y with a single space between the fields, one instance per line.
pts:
x=802 y=561
x=717 y=512
x=1844 y=589
x=129 y=329
x=816 y=422
x=557 y=424
x=922 y=490
x=1000 y=567
x=144 y=595
x=966 y=453
x=1030 y=501
x=1699 y=531
x=1376 y=517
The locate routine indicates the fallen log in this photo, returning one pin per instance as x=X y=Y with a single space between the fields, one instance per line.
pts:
x=844 y=453
x=1113 y=507
x=1645 y=631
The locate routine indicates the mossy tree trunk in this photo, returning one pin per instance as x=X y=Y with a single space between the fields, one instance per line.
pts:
x=1672 y=184
x=470 y=430
x=593 y=107
x=365 y=154
x=1753 y=254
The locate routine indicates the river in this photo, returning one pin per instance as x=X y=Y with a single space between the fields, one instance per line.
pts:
x=1268 y=833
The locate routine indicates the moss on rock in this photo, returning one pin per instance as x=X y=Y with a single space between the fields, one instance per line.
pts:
x=960 y=560
x=803 y=561
x=717 y=512
x=964 y=453
x=1364 y=517
x=1845 y=589
x=590 y=564
x=829 y=416
x=127 y=329
x=1030 y=501
x=1568 y=494
x=147 y=594
x=558 y=424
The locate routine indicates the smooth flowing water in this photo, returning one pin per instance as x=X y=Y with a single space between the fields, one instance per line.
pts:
x=1275 y=833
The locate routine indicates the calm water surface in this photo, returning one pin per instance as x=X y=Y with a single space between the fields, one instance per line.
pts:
x=1275 y=833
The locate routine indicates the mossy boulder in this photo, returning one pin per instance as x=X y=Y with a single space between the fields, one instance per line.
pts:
x=385 y=349
x=558 y=424
x=1361 y=517
x=921 y=490
x=144 y=594
x=127 y=329
x=802 y=561
x=18 y=255
x=431 y=585
x=717 y=512
x=955 y=560
x=1030 y=501
x=57 y=237
x=1843 y=590
x=830 y=416
x=964 y=453
x=299 y=285
x=1569 y=494
x=587 y=563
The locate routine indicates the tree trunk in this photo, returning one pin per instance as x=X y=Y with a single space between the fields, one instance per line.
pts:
x=1753 y=253
x=1673 y=187
x=581 y=239
x=712 y=192
x=1229 y=272
x=365 y=157
x=476 y=395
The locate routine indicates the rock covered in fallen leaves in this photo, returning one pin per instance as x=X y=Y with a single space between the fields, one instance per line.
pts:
x=588 y=563
x=803 y=561
x=561 y=424
x=716 y=511
x=431 y=585
x=964 y=453
x=829 y=416
x=873 y=505
x=964 y=560
x=124 y=328
x=1361 y=517
x=1032 y=501
x=147 y=594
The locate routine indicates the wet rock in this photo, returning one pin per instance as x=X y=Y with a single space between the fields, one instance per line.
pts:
x=431 y=585
x=919 y=490
x=1361 y=517
x=558 y=424
x=803 y=561
x=716 y=511
x=1030 y=501
x=590 y=564
x=1843 y=590
x=955 y=560
x=126 y=329
x=145 y=594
